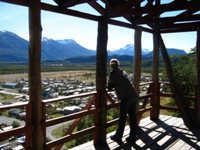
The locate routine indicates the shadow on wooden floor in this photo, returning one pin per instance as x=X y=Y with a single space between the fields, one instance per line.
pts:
x=166 y=133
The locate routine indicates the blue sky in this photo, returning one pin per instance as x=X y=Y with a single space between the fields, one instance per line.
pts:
x=14 y=18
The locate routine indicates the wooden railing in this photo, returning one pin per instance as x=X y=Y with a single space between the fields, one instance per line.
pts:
x=27 y=129
x=75 y=118
x=170 y=94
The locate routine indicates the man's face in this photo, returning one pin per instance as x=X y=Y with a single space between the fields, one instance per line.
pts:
x=112 y=66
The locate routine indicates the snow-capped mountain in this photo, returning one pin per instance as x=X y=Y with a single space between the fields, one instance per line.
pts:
x=129 y=50
x=15 y=49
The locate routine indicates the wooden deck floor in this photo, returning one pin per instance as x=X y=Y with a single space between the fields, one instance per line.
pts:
x=166 y=133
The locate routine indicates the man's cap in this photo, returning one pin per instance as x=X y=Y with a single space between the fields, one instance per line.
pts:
x=114 y=62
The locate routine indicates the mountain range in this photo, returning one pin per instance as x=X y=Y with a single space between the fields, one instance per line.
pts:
x=13 y=48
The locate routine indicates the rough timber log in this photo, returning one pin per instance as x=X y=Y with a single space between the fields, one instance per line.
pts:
x=198 y=78
x=137 y=58
x=183 y=108
x=101 y=65
x=35 y=73
x=156 y=86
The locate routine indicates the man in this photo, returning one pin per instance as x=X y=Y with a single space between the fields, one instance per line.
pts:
x=128 y=96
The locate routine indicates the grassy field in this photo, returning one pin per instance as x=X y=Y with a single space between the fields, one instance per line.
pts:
x=83 y=75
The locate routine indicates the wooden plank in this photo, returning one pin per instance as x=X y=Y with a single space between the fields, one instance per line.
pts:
x=187 y=144
x=176 y=134
x=196 y=146
x=185 y=138
x=172 y=132
x=182 y=142
x=147 y=136
x=163 y=130
x=88 y=145
x=164 y=140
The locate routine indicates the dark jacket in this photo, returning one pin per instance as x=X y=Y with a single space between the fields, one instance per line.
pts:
x=119 y=81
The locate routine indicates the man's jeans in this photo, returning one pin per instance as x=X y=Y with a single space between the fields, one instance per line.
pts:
x=129 y=107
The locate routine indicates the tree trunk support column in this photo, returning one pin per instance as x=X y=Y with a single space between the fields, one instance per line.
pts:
x=137 y=62
x=155 y=102
x=198 y=77
x=35 y=73
x=101 y=69
x=137 y=58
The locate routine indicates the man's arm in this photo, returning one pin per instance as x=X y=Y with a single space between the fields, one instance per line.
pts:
x=111 y=84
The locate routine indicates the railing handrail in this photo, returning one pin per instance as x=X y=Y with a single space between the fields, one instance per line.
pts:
x=10 y=106
x=68 y=97
x=51 y=122
x=15 y=132
x=145 y=83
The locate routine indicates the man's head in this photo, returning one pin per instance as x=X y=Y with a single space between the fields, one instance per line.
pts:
x=114 y=63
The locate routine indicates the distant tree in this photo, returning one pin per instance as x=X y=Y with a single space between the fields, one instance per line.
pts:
x=184 y=70
x=192 y=50
x=15 y=124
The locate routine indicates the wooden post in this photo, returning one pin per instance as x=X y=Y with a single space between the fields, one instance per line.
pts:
x=101 y=69
x=155 y=102
x=137 y=58
x=137 y=62
x=29 y=113
x=198 y=78
x=35 y=73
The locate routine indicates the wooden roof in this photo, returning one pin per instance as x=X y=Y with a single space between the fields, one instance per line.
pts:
x=164 y=15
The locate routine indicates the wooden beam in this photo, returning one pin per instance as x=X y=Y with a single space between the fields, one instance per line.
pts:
x=151 y=18
x=101 y=73
x=97 y=7
x=157 y=10
x=180 y=25
x=65 y=11
x=137 y=61
x=198 y=78
x=132 y=19
x=180 y=28
x=189 y=29
x=69 y=12
x=178 y=94
x=155 y=103
x=74 y=13
x=35 y=89
x=137 y=57
x=127 y=25
x=16 y=2
x=164 y=20
x=70 y=3
x=121 y=7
